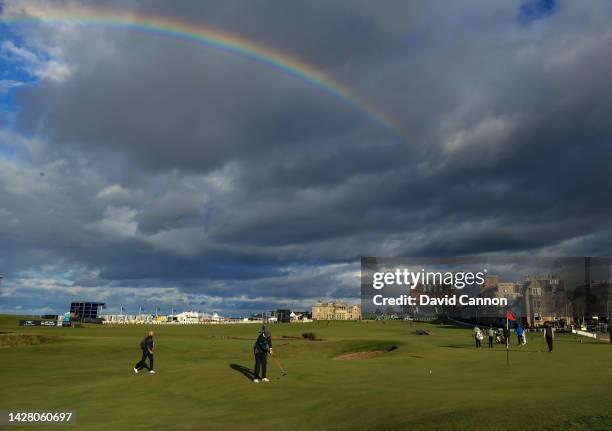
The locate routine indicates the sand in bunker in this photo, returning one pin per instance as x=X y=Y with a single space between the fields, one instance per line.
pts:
x=355 y=356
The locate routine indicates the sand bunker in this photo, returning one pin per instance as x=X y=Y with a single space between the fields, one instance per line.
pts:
x=368 y=354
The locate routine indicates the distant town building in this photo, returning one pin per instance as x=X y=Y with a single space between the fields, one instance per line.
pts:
x=592 y=301
x=283 y=316
x=188 y=317
x=300 y=316
x=491 y=281
x=546 y=300
x=323 y=310
x=511 y=291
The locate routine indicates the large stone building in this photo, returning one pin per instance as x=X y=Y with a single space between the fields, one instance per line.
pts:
x=491 y=281
x=323 y=310
x=546 y=300
x=510 y=291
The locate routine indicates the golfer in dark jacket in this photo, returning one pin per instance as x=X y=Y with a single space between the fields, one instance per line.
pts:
x=147 y=345
x=263 y=346
x=549 y=335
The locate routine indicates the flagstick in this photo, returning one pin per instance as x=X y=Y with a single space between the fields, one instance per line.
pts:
x=507 y=341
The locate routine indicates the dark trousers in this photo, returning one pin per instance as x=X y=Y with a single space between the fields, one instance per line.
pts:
x=261 y=362
x=141 y=364
x=490 y=341
x=477 y=342
x=549 y=341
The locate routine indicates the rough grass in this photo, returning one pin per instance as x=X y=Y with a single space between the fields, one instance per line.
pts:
x=14 y=340
x=585 y=423
x=437 y=382
x=309 y=335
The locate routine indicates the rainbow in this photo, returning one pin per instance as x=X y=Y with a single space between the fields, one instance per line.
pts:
x=209 y=37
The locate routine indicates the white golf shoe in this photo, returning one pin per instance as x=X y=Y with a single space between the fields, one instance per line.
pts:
x=136 y=370
x=255 y=380
x=152 y=372
x=265 y=379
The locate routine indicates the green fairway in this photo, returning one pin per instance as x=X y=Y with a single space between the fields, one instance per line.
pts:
x=439 y=381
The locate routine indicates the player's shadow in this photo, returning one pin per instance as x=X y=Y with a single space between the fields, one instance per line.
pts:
x=246 y=372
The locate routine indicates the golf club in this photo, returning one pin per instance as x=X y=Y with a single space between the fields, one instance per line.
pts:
x=278 y=364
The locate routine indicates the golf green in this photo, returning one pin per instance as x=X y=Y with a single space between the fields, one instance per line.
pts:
x=429 y=382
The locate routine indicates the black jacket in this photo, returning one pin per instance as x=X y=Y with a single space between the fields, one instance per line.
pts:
x=549 y=333
x=147 y=344
x=263 y=344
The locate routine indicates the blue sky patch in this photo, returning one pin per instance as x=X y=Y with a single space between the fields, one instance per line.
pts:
x=535 y=10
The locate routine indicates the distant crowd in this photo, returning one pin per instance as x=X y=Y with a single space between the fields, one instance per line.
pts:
x=502 y=336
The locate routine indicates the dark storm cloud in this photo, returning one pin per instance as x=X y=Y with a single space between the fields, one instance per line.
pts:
x=221 y=182
x=352 y=31
x=197 y=111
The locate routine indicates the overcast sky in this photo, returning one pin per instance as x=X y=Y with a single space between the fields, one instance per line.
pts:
x=145 y=170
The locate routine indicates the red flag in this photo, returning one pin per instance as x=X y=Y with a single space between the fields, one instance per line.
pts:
x=510 y=315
